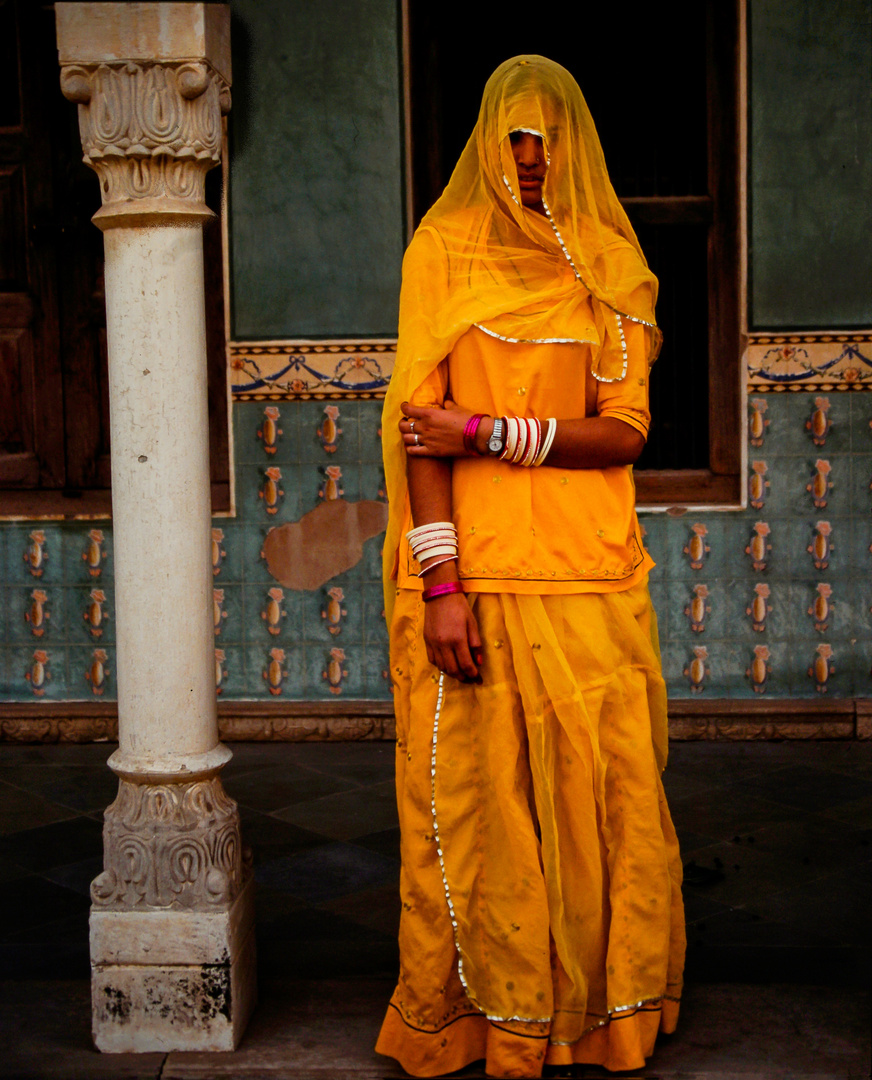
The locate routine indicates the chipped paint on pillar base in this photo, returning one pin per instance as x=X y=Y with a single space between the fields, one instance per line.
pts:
x=141 y=1009
x=172 y=980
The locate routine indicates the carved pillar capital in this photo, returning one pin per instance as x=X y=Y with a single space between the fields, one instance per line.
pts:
x=151 y=131
x=171 y=847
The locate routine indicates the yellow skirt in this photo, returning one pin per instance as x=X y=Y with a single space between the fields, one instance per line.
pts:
x=542 y=920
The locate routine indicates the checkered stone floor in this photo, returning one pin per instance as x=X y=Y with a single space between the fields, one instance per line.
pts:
x=776 y=844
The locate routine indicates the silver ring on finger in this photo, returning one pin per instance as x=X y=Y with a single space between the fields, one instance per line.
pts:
x=417 y=440
x=412 y=426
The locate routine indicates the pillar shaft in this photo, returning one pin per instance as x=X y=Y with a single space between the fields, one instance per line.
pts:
x=172 y=942
x=160 y=498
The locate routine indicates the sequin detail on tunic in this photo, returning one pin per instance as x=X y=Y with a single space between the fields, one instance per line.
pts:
x=618 y=314
x=535 y=341
x=565 y=341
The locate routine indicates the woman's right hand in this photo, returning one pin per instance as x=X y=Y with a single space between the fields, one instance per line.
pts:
x=452 y=638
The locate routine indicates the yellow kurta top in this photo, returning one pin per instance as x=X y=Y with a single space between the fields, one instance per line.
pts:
x=540 y=530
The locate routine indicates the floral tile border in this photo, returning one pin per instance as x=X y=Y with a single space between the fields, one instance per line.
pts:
x=817 y=361
x=289 y=370
x=297 y=370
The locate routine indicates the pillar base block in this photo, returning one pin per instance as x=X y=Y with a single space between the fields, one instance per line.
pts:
x=173 y=980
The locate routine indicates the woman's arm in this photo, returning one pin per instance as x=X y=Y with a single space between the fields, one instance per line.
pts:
x=595 y=442
x=592 y=442
x=450 y=630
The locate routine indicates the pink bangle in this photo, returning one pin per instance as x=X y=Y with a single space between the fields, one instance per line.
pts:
x=441 y=590
x=469 y=433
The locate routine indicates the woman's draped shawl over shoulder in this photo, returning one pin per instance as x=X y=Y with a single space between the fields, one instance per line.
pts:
x=480 y=258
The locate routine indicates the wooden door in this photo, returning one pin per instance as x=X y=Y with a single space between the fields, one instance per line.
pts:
x=54 y=402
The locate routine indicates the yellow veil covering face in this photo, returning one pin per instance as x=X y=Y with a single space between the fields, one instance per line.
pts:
x=479 y=258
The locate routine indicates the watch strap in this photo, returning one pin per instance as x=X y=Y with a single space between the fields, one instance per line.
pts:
x=497 y=440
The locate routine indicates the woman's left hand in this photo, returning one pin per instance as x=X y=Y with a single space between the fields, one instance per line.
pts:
x=434 y=432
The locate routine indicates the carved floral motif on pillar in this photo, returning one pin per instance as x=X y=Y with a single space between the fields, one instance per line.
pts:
x=170 y=846
x=149 y=130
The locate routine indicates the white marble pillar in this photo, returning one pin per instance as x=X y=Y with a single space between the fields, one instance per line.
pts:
x=172 y=944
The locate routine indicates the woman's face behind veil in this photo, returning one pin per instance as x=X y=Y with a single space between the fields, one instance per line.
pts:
x=535 y=97
x=529 y=222
x=528 y=150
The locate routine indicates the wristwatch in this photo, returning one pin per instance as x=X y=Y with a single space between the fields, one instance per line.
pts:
x=495 y=442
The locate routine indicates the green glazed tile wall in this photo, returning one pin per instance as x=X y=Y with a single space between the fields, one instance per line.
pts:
x=709 y=613
x=57 y=634
x=57 y=637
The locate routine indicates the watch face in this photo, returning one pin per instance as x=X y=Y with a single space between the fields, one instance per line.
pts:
x=495 y=442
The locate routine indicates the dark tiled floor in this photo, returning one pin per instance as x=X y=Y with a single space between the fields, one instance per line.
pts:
x=777 y=840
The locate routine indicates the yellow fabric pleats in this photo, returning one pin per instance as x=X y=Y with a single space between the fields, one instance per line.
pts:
x=541 y=881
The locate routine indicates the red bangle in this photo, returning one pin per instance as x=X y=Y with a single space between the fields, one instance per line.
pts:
x=469 y=432
x=441 y=590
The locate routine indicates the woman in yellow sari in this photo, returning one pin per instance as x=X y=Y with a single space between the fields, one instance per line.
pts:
x=541 y=920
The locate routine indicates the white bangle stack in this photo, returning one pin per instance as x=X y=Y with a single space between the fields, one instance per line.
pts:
x=525 y=443
x=438 y=539
x=547 y=441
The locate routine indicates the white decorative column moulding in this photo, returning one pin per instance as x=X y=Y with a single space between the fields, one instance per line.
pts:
x=172 y=942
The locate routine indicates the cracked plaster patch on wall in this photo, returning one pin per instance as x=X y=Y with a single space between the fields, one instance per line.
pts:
x=327 y=541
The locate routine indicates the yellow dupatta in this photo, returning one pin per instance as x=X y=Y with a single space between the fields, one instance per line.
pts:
x=480 y=258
